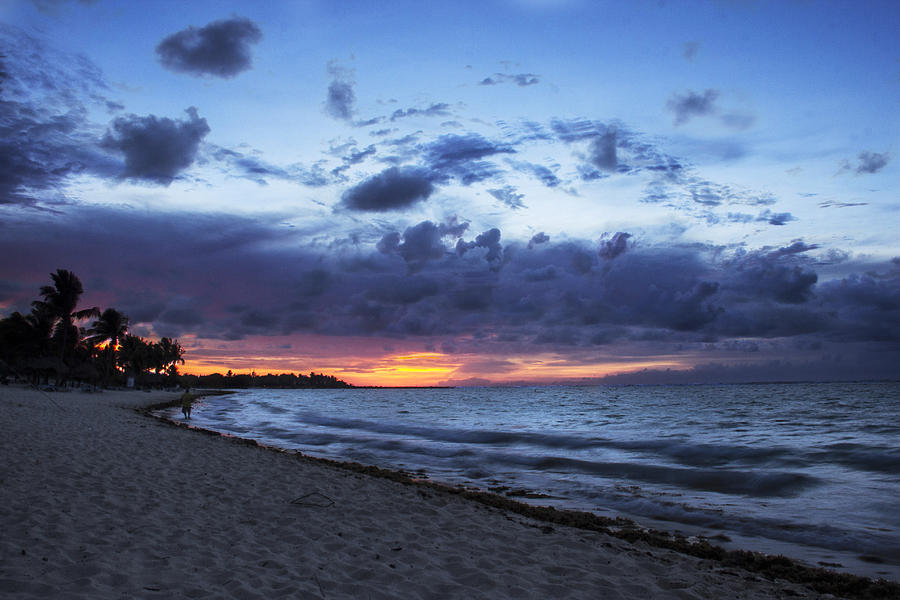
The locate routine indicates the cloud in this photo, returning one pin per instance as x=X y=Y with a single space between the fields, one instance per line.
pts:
x=609 y=249
x=392 y=189
x=683 y=190
x=603 y=151
x=538 y=238
x=772 y=218
x=774 y=274
x=45 y=134
x=461 y=156
x=689 y=50
x=420 y=243
x=341 y=97
x=354 y=157
x=574 y=130
x=489 y=240
x=872 y=162
x=542 y=173
x=453 y=227
x=220 y=49
x=156 y=149
x=404 y=290
x=520 y=79
x=508 y=196
x=437 y=109
x=239 y=277
x=249 y=167
x=692 y=104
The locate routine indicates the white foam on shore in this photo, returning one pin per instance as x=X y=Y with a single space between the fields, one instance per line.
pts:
x=98 y=501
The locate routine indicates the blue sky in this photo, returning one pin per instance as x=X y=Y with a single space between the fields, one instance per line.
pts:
x=500 y=191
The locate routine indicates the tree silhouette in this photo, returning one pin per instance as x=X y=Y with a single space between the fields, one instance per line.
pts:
x=135 y=355
x=60 y=300
x=111 y=327
x=170 y=354
x=48 y=340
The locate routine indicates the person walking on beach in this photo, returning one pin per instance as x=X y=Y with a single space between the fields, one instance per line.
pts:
x=186 y=402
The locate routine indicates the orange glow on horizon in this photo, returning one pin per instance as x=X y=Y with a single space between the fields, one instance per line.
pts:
x=411 y=369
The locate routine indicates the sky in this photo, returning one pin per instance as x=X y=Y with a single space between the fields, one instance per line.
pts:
x=465 y=193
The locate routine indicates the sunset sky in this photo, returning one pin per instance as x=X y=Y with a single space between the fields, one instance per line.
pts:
x=502 y=191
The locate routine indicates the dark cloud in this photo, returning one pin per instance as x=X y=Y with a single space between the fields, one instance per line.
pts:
x=45 y=134
x=221 y=49
x=490 y=241
x=392 y=189
x=418 y=245
x=156 y=149
x=780 y=274
x=872 y=162
x=866 y=306
x=404 y=290
x=237 y=277
x=692 y=104
x=421 y=243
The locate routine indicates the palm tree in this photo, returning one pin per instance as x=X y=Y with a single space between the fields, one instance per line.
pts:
x=110 y=327
x=135 y=355
x=60 y=300
x=171 y=354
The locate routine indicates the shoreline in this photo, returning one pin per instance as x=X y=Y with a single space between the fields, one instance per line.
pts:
x=121 y=504
x=821 y=579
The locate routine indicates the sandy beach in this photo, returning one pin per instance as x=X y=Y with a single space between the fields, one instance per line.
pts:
x=100 y=501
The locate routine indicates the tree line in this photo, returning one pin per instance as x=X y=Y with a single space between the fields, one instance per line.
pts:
x=50 y=342
x=252 y=380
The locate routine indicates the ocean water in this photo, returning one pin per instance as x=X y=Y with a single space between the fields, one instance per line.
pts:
x=811 y=471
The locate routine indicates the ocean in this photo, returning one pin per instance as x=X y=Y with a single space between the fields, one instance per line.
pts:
x=811 y=471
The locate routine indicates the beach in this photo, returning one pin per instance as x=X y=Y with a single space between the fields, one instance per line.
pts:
x=98 y=500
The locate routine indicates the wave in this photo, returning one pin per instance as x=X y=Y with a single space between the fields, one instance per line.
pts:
x=878 y=459
x=735 y=482
x=689 y=454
